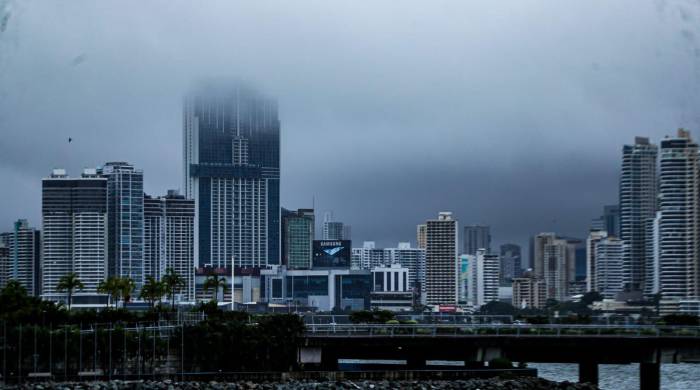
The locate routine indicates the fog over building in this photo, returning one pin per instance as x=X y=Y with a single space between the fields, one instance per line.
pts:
x=231 y=157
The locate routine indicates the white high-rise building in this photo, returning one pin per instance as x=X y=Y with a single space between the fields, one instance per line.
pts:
x=608 y=277
x=441 y=258
x=413 y=259
x=593 y=237
x=169 y=227
x=679 y=220
x=485 y=275
x=638 y=185
x=369 y=256
x=74 y=219
x=652 y=271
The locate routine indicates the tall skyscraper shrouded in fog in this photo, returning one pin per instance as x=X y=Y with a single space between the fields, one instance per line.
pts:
x=638 y=182
x=231 y=147
x=442 y=238
x=476 y=237
x=74 y=215
x=679 y=219
x=124 y=221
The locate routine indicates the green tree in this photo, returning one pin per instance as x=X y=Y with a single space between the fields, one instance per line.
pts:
x=152 y=291
x=656 y=300
x=126 y=288
x=13 y=298
x=497 y=308
x=590 y=297
x=69 y=283
x=111 y=287
x=172 y=283
x=215 y=283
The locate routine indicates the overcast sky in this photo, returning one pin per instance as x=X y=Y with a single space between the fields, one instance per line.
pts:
x=509 y=113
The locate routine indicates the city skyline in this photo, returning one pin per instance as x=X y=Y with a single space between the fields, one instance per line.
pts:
x=480 y=115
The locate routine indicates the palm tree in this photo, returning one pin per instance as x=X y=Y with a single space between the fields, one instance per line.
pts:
x=118 y=288
x=215 y=282
x=126 y=287
x=152 y=291
x=110 y=287
x=69 y=283
x=173 y=283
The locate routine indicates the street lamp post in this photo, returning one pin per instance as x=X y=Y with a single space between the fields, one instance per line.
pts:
x=233 y=283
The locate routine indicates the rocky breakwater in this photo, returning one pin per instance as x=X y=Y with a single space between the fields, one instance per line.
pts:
x=471 y=384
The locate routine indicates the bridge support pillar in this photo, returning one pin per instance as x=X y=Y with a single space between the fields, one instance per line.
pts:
x=415 y=362
x=329 y=360
x=649 y=376
x=588 y=372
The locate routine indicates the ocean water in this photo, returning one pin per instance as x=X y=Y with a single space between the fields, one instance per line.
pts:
x=683 y=376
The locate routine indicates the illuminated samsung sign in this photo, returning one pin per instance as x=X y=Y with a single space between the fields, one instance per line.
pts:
x=331 y=254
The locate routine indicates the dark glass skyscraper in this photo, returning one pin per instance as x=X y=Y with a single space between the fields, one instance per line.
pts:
x=231 y=145
x=124 y=221
x=24 y=246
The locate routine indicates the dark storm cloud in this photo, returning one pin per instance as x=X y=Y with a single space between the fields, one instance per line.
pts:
x=511 y=114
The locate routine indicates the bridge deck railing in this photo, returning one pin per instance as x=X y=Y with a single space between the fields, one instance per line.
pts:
x=506 y=330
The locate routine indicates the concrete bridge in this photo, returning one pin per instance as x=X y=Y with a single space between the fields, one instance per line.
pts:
x=475 y=344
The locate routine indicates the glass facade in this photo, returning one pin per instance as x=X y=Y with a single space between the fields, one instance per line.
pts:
x=297 y=238
x=353 y=291
x=231 y=156
x=304 y=286
x=125 y=216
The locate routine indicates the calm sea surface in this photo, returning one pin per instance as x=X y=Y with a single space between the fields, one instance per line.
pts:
x=626 y=376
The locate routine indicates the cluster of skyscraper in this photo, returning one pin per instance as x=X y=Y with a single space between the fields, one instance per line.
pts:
x=645 y=249
x=229 y=222
x=656 y=254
